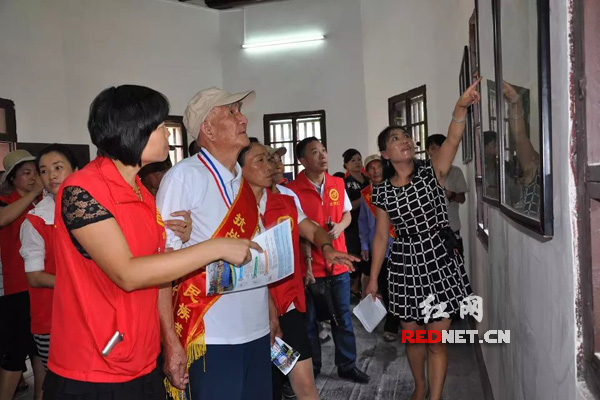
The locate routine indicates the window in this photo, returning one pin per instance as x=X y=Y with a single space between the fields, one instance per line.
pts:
x=410 y=111
x=177 y=139
x=286 y=130
x=8 y=129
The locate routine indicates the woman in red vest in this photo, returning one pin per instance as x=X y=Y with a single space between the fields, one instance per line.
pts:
x=16 y=341
x=288 y=304
x=105 y=328
x=54 y=164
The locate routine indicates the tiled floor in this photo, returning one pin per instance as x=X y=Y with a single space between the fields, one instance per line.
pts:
x=389 y=370
x=388 y=367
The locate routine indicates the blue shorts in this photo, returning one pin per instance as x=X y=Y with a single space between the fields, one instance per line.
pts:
x=233 y=372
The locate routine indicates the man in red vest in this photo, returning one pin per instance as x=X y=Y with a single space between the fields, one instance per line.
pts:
x=324 y=200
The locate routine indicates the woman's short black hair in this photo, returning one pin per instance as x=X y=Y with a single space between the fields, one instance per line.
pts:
x=434 y=139
x=194 y=148
x=122 y=119
x=60 y=149
x=161 y=166
x=348 y=154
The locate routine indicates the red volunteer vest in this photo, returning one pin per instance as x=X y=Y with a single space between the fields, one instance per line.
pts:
x=291 y=289
x=41 y=298
x=13 y=266
x=319 y=210
x=88 y=307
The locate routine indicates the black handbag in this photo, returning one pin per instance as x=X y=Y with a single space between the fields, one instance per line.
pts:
x=451 y=242
x=321 y=293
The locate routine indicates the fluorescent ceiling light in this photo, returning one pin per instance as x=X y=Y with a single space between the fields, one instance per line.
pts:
x=283 y=41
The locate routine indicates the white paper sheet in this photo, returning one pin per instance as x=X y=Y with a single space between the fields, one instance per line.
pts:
x=370 y=313
x=275 y=263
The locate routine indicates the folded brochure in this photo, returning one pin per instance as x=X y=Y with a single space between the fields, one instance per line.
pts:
x=283 y=356
x=273 y=264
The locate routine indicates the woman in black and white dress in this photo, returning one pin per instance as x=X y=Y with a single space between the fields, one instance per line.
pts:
x=423 y=264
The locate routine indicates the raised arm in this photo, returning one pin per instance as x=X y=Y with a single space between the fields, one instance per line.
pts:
x=526 y=154
x=12 y=211
x=444 y=158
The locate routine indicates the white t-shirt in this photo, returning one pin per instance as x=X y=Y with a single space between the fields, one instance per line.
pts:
x=33 y=247
x=455 y=182
x=235 y=318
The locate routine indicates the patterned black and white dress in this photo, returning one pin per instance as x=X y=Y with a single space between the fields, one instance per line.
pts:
x=419 y=263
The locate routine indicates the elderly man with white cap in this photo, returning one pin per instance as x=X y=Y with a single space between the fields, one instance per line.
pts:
x=223 y=339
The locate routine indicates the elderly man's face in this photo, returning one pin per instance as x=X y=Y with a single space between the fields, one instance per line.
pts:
x=229 y=126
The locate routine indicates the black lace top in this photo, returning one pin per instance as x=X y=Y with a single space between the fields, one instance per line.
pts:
x=79 y=209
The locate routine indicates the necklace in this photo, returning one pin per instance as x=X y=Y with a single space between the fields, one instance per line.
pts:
x=137 y=191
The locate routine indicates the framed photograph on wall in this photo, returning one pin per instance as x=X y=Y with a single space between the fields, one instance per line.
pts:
x=464 y=81
x=524 y=102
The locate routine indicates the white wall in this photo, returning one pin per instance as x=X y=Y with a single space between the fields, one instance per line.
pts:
x=322 y=75
x=528 y=284
x=56 y=56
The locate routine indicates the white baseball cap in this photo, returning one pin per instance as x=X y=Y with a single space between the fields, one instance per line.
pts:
x=204 y=101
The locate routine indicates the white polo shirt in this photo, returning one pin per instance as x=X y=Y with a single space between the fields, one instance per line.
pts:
x=235 y=318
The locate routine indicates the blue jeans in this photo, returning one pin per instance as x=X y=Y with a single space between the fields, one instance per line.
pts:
x=343 y=334
x=233 y=372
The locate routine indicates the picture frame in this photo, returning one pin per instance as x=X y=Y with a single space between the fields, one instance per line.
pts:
x=464 y=81
x=525 y=147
